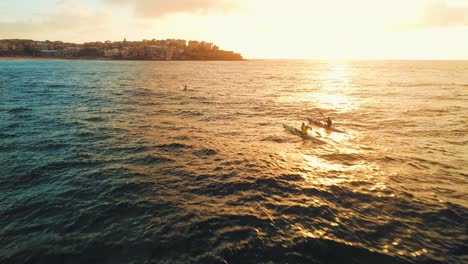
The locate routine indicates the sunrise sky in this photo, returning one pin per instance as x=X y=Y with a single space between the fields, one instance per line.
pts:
x=307 y=29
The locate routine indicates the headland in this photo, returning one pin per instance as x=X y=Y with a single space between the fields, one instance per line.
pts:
x=169 y=49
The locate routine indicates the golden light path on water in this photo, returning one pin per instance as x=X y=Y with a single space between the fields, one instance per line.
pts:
x=215 y=167
x=334 y=85
x=330 y=95
x=332 y=92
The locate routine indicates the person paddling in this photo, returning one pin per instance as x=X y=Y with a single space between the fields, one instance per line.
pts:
x=185 y=87
x=304 y=129
x=329 y=122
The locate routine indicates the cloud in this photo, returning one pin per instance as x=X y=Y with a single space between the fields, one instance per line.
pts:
x=160 y=8
x=71 y=19
x=439 y=14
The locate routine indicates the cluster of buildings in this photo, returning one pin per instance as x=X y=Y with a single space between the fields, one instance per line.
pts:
x=169 y=49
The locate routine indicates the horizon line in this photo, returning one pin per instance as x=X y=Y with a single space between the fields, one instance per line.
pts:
x=358 y=59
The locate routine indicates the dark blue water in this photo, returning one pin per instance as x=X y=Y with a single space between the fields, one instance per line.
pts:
x=111 y=162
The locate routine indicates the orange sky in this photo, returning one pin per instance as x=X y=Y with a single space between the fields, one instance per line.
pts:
x=308 y=29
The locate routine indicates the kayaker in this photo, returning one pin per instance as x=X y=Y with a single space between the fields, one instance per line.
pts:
x=304 y=129
x=329 y=122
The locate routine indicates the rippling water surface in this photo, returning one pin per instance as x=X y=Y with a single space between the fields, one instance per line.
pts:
x=111 y=162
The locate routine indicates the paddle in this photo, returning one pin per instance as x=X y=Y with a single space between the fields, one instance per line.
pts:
x=322 y=114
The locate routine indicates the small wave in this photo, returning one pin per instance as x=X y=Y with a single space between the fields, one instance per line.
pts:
x=422 y=162
x=190 y=113
x=96 y=218
x=276 y=139
x=346 y=159
x=6 y=135
x=233 y=220
x=94 y=119
x=326 y=249
x=143 y=93
x=116 y=173
x=290 y=177
x=231 y=133
x=86 y=134
x=205 y=152
x=54 y=85
x=131 y=149
x=173 y=146
x=418 y=166
x=125 y=188
x=277 y=186
x=48 y=146
x=5 y=147
x=41 y=173
x=321 y=211
x=453 y=215
x=161 y=111
x=151 y=160
x=425 y=112
x=92 y=134
x=221 y=189
x=422 y=84
x=18 y=109
x=198 y=97
x=148 y=103
x=213 y=118
x=459 y=143
x=181 y=138
x=233 y=162
x=298 y=250
x=64 y=165
x=389 y=159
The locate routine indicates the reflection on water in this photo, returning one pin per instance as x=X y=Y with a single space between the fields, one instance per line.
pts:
x=328 y=92
x=336 y=77
x=321 y=100
x=123 y=163
x=316 y=163
x=332 y=101
x=335 y=84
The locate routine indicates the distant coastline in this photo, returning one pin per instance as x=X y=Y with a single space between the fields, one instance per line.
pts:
x=25 y=58
x=10 y=58
x=162 y=50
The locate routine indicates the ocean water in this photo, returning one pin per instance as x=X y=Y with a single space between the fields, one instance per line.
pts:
x=111 y=162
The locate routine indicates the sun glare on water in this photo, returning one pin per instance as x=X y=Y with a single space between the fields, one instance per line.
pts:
x=328 y=91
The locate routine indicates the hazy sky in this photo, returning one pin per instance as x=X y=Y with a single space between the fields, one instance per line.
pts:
x=356 y=29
